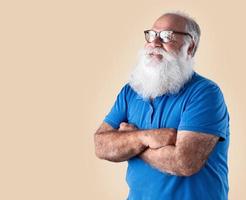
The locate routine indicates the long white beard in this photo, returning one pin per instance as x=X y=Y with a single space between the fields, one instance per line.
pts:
x=152 y=77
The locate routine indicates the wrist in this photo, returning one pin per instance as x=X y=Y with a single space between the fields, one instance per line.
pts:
x=172 y=134
x=143 y=136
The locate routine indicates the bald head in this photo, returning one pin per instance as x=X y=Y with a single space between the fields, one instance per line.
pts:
x=170 y=22
x=179 y=22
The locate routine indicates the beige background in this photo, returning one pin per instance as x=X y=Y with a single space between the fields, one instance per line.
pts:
x=62 y=65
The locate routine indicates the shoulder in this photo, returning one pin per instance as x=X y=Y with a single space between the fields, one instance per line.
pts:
x=127 y=92
x=126 y=88
x=202 y=86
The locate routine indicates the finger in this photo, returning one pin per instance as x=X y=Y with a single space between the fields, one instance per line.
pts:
x=123 y=124
x=133 y=127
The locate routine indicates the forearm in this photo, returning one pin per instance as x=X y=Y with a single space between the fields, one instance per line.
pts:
x=186 y=157
x=120 y=146
x=172 y=160
x=163 y=159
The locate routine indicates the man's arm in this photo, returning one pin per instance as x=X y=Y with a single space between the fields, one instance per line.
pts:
x=186 y=157
x=120 y=145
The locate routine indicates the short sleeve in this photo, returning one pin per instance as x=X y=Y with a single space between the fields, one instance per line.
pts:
x=118 y=112
x=206 y=112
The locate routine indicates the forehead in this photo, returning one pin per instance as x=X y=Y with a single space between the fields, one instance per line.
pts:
x=170 y=22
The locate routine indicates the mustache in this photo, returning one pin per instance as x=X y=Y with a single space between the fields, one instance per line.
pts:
x=166 y=55
x=154 y=51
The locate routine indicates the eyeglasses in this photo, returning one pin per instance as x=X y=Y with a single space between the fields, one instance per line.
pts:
x=165 y=36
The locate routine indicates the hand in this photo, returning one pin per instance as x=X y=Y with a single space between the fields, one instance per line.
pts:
x=127 y=127
x=160 y=137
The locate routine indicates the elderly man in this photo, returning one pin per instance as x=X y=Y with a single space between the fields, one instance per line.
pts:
x=170 y=123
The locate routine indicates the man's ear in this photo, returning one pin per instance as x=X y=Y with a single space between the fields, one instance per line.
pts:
x=191 y=48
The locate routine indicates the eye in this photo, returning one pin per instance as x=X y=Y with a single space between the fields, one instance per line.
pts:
x=151 y=35
x=166 y=36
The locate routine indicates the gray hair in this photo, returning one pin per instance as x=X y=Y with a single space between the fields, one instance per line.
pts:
x=192 y=27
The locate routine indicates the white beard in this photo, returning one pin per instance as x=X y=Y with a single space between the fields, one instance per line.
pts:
x=152 y=77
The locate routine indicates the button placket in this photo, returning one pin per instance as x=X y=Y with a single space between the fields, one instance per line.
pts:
x=151 y=112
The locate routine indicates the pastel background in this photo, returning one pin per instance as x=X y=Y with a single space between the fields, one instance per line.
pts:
x=62 y=63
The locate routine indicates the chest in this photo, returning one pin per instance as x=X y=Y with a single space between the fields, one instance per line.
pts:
x=162 y=112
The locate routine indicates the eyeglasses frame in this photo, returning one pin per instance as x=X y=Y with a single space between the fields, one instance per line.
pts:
x=170 y=31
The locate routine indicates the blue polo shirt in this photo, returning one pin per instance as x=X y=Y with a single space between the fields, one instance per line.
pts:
x=199 y=107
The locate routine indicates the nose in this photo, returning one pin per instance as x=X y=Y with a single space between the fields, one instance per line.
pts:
x=157 y=42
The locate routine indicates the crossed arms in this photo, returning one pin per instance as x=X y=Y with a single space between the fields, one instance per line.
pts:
x=181 y=153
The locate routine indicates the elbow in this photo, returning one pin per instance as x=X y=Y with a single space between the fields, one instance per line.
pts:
x=98 y=151
x=188 y=166
x=106 y=156
x=105 y=152
x=189 y=169
x=188 y=172
x=98 y=147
